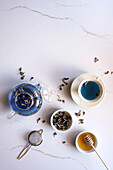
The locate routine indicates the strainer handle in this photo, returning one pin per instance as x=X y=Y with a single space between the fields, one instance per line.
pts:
x=24 y=151
x=40 y=131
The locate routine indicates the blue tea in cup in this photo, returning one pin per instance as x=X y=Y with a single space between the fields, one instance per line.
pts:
x=25 y=99
x=90 y=90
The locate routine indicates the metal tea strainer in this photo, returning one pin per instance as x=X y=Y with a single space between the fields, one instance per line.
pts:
x=34 y=139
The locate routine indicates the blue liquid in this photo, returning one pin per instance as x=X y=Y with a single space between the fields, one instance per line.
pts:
x=23 y=101
x=90 y=90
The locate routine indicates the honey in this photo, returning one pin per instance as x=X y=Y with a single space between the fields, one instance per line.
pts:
x=81 y=142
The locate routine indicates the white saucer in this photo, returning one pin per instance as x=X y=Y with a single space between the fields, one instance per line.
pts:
x=74 y=90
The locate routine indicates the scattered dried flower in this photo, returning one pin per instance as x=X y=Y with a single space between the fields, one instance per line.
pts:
x=22 y=77
x=60 y=87
x=83 y=113
x=31 y=78
x=81 y=121
x=22 y=73
x=64 y=83
x=60 y=100
x=38 y=119
x=64 y=80
x=107 y=72
x=63 y=101
x=58 y=96
x=54 y=134
x=43 y=121
x=84 y=84
x=63 y=142
x=96 y=59
x=111 y=72
x=20 y=69
x=78 y=114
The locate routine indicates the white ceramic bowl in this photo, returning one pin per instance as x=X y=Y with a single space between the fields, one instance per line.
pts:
x=51 y=121
x=84 y=151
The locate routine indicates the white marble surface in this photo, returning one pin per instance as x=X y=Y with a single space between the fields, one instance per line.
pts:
x=51 y=39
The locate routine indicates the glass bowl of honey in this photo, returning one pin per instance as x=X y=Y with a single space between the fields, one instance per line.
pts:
x=81 y=145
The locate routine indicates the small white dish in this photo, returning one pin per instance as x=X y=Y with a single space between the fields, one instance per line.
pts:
x=80 y=149
x=76 y=86
x=53 y=126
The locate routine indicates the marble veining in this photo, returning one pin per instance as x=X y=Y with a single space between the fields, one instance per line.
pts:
x=50 y=155
x=61 y=19
x=38 y=12
x=69 y=5
x=62 y=38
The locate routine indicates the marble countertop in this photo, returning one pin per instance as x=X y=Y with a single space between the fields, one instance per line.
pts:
x=52 y=39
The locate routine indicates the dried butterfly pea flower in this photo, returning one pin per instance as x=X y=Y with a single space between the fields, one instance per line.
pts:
x=54 y=134
x=64 y=81
x=78 y=114
x=84 y=84
x=60 y=87
x=81 y=121
x=96 y=59
x=31 y=78
x=58 y=96
x=97 y=94
x=60 y=100
x=107 y=72
x=57 y=127
x=43 y=121
x=63 y=101
x=61 y=113
x=22 y=77
x=22 y=73
x=83 y=113
x=20 y=69
x=65 y=78
x=38 y=119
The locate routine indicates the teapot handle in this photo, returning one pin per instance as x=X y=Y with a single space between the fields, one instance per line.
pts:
x=11 y=114
x=46 y=91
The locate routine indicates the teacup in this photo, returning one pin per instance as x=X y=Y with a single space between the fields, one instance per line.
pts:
x=25 y=99
x=90 y=90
